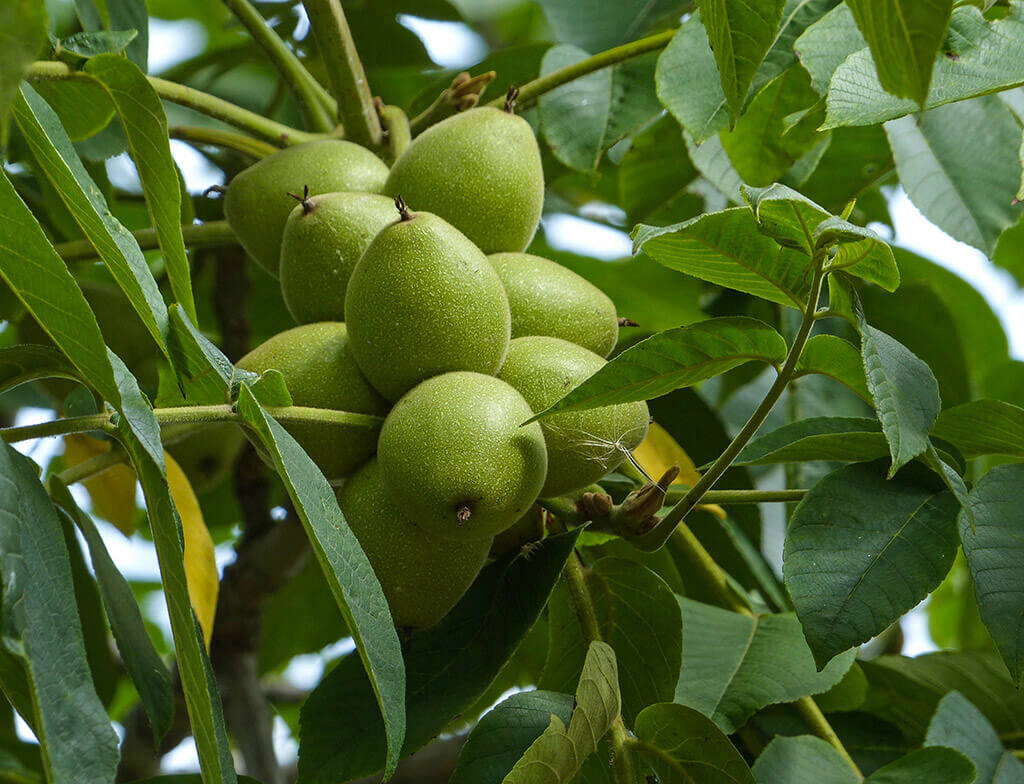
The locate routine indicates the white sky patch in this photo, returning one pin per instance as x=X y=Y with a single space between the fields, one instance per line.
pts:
x=449 y=44
x=173 y=42
x=578 y=235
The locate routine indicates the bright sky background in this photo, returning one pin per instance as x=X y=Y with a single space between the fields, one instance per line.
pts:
x=453 y=45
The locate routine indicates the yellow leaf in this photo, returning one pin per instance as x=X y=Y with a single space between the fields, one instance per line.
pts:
x=659 y=452
x=200 y=564
x=113 y=491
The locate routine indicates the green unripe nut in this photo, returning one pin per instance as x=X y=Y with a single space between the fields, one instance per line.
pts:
x=480 y=170
x=422 y=576
x=323 y=239
x=455 y=458
x=582 y=446
x=257 y=203
x=423 y=300
x=317 y=364
x=547 y=299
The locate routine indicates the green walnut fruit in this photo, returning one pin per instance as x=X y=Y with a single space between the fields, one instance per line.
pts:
x=422 y=576
x=456 y=459
x=318 y=367
x=423 y=300
x=547 y=299
x=582 y=446
x=323 y=239
x=479 y=170
x=257 y=203
x=207 y=454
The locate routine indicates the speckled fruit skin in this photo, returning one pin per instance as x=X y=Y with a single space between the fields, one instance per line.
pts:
x=322 y=243
x=257 y=203
x=479 y=170
x=422 y=576
x=547 y=299
x=317 y=364
x=423 y=300
x=582 y=446
x=455 y=440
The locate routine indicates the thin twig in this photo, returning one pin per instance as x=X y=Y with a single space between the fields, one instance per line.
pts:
x=217 y=137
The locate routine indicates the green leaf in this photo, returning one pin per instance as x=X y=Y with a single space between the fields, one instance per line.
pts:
x=966 y=189
x=449 y=666
x=862 y=550
x=348 y=571
x=824 y=45
x=674 y=359
x=936 y=765
x=585 y=117
x=978 y=58
x=994 y=548
x=114 y=243
x=639 y=617
x=188 y=778
x=802 y=759
x=711 y=160
x=141 y=661
x=655 y=175
x=734 y=665
x=905 y=392
x=831 y=356
x=86 y=45
x=504 y=734
x=42 y=627
x=559 y=752
x=22 y=38
x=904 y=37
x=683 y=746
x=145 y=125
x=739 y=35
x=28 y=362
x=958 y=725
x=132 y=15
x=605 y=23
x=983 y=427
x=727 y=249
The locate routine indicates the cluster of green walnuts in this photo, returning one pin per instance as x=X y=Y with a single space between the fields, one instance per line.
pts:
x=432 y=316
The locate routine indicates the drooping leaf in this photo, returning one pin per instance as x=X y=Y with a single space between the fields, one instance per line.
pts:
x=966 y=188
x=141 y=661
x=957 y=724
x=831 y=356
x=726 y=248
x=739 y=35
x=682 y=745
x=27 y=362
x=734 y=665
x=936 y=764
x=674 y=359
x=145 y=126
x=994 y=547
x=22 y=38
x=348 y=571
x=449 y=666
x=42 y=628
x=114 y=243
x=862 y=550
x=904 y=37
x=802 y=759
x=132 y=15
x=983 y=427
x=633 y=604
x=111 y=492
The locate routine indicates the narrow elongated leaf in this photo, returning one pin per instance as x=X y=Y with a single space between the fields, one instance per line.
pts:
x=42 y=627
x=936 y=764
x=831 y=356
x=994 y=548
x=966 y=189
x=22 y=38
x=726 y=248
x=983 y=427
x=113 y=242
x=632 y=604
x=90 y=44
x=683 y=746
x=802 y=759
x=904 y=37
x=740 y=35
x=504 y=734
x=348 y=571
x=141 y=661
x=978 y=58
x=734 y=665
x=862 y=550
x=27 y=362
x=449 y=666
x=957 y=724
x=145 y=126
x=674 y=359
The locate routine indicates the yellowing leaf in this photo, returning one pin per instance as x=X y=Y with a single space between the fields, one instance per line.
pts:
x=113 y=491
x=200 y=564
x=659 y=452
